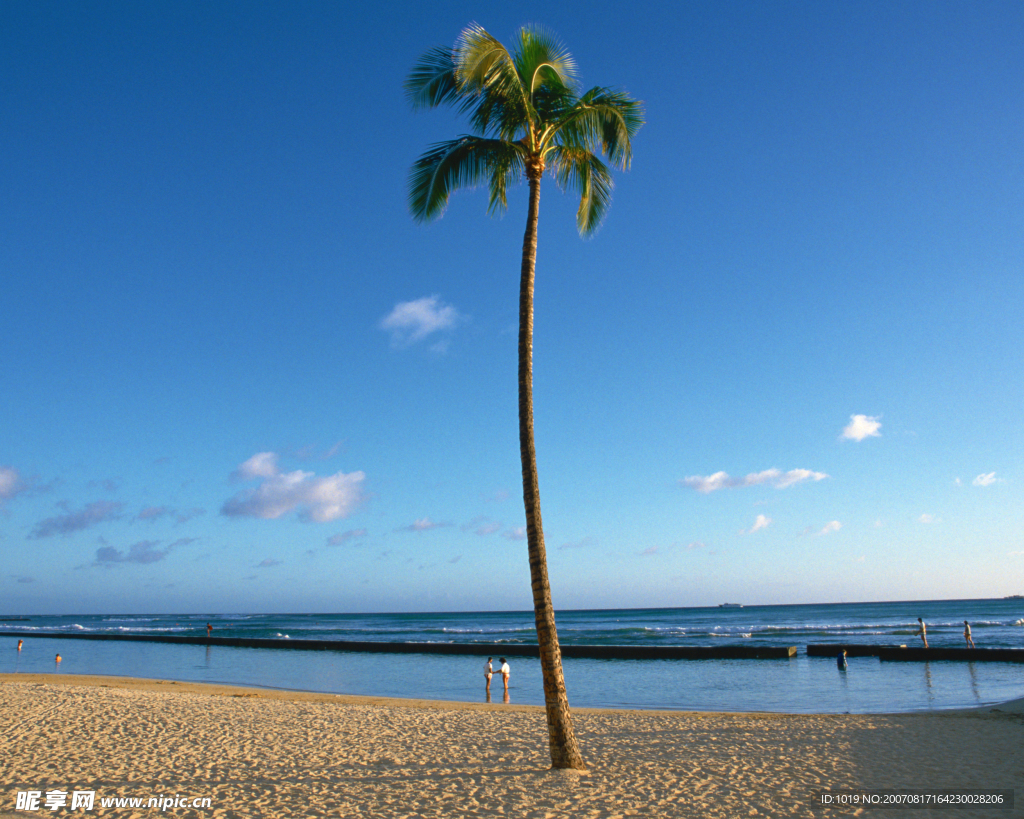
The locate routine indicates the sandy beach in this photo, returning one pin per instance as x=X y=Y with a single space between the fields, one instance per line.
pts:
x=258 y=753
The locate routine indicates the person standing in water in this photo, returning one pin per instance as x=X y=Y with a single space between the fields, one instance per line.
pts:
x=967 y=635
x=488 y=673
x=20 y=644
x=506 y=672
x=923 y=632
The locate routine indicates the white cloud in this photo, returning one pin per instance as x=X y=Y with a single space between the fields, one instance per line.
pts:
x=412 y=321
x=985 y=480
x=90 y=515
x=831 y=526
x=762 y=522
x=154 y=513
x=481 y=525
x=260 y=465
x=144 y=552
x=309 y=452
x=10 y=483
x=770 y=477
x=344 y=537
x=518 y=533
x=316 y=499
x=422 y=525
x=586 y=543
x=861 y=427
x=926 y=518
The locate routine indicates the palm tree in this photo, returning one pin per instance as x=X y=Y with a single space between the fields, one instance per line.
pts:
x=528 y=117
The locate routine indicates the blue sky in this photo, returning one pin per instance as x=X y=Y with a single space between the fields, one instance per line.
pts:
x=236 y=375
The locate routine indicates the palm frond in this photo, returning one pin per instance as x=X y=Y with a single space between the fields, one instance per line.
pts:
x=465 y=162
x=492 y=114
x=483 y=66
x=432 y=80
x=508 y=166
x=478 y=57
x=580 y=170
x=553 y=104
x=606 y=118
x=542 y=60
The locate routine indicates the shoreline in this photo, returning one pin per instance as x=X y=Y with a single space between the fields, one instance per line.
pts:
x=462 y=698
x=1014 y=706
x=271 y=753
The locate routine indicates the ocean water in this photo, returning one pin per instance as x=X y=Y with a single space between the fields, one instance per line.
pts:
x=799 y=685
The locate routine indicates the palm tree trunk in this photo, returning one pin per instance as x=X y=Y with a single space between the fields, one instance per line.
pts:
x=565 y=752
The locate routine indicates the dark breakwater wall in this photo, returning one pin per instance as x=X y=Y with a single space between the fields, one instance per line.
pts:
x=475 y=649
x=917 y=653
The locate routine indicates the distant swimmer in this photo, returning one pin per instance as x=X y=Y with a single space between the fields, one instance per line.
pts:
x=923 y=631
x=20 y=644
x=488 y=673
x=58 y=658
x=841 y=660
x=209 y=629
x=506 y=672
x=967 y=635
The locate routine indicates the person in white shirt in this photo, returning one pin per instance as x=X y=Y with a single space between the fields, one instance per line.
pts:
x=922 y=632
x=488 y=671
x=505 y=672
